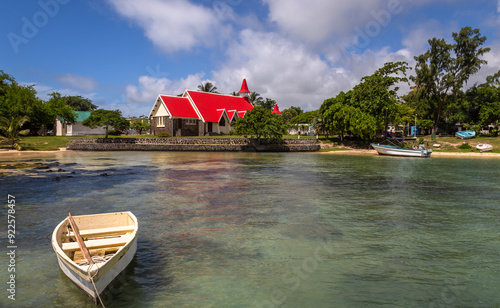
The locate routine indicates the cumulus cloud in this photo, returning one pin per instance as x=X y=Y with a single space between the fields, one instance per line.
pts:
x=317 y=20
x=150 y=87
x=288 y=72
x=173 y=25
x=83 y=83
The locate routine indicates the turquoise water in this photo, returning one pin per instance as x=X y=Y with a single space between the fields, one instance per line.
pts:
x=268 y=230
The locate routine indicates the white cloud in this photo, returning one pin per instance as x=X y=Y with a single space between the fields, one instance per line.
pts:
x=282 y=70
x=78 y=82
x=43 y=91
x=317 y=20
x=150 y=87
x=173 y=25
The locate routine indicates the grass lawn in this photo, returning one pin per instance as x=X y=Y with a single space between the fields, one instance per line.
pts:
x=49 y=143
x=448 y=144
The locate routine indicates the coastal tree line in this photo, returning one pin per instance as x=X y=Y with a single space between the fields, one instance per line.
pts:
x=23 y=113
x=437 y=93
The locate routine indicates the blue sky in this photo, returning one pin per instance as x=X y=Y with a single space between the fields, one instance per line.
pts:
x=123 y=53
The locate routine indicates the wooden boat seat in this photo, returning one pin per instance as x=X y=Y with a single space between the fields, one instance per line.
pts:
x=98 y=243
x=104 y=231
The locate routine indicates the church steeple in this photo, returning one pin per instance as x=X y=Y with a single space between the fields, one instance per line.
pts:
x=244 y=89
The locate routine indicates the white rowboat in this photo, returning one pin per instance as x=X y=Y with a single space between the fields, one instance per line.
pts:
x=111 y=240
x=399 y=151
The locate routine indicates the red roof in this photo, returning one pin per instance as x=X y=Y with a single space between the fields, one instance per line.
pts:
x=231 y=113
x=244 y=87
x=210 y=104
x=179 y=107
x=276 y=109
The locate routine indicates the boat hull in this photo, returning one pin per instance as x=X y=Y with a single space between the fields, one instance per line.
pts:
x=482 y=147
x=104 y=274
x=85 y=284
x=397 y=151
x=466 y=134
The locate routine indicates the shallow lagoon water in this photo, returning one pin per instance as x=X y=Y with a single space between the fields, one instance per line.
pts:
x=267 y=230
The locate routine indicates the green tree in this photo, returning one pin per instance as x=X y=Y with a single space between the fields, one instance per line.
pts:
x=369 y=106
x=207 y=87
x=107 y=119
x=140 y=125
x=319 y=125
x=58 y=107
x=12 y=128
x=79 y=103
x=260 y=123
x=266 y=104
x=304 y=118
x=290 y=113
x=445 y=68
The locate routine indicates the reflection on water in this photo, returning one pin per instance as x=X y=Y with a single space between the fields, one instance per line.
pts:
x=268 y=230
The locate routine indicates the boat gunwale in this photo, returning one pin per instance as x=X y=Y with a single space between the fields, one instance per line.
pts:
x=82 y=271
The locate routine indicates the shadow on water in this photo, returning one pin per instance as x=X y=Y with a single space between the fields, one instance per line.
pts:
x=134 y=287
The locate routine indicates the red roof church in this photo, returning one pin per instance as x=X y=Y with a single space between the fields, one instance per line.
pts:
x=198 y=113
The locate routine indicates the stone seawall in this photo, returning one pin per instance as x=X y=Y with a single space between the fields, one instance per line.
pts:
x=191 y=144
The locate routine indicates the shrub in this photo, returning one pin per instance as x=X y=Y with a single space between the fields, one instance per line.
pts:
x=465 y=146
x=164 y=135
x=114 y=132
x=420 y=140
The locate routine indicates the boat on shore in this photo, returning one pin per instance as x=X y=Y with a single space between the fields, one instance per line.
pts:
x=484 y=147
x=93 y=250
x=392 y=150
x=466 y=134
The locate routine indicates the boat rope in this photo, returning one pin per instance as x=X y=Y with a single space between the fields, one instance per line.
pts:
x=92 y=280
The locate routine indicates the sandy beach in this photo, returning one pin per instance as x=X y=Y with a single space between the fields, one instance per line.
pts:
x=15 y=153
x=434 y=154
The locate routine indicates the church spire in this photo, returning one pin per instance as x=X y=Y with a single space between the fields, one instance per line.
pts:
x=244 y=89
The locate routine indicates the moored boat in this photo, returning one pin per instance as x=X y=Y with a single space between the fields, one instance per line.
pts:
x=383 y=149
x=484 y=147
x=92 y=250
x=466 y=134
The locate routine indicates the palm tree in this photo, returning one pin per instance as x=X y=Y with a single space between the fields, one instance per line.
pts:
x=207 y=87
x=255 y=98
x=12 y=129
x=319 y=126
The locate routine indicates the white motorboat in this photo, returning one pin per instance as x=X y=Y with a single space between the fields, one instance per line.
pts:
x=399 y=151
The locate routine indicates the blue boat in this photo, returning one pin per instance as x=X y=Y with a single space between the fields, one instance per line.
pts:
x=466 y=134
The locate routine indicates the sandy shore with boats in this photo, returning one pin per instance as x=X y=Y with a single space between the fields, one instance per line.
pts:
x=15 y=153
x=434 y=154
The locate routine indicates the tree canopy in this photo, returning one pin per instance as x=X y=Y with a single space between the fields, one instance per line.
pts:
x=369 y=106
x=444 y=70
x=140 y=125
x=21 y=101
x=107 y=119
x=260 y=123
